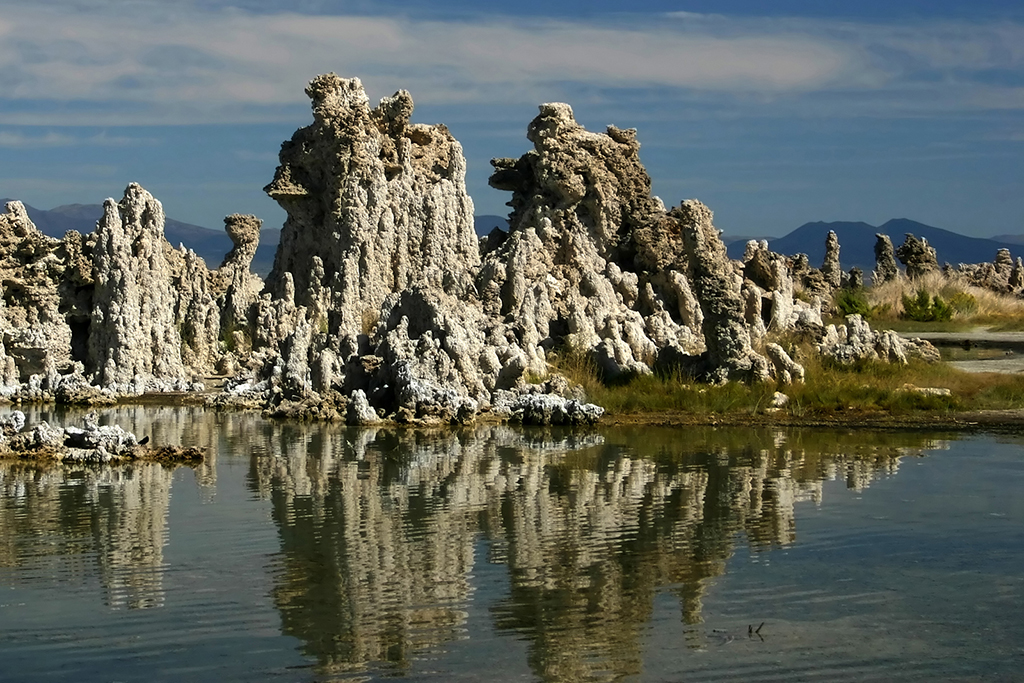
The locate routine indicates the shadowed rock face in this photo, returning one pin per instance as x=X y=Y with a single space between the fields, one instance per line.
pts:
x=885 y=261
x=717 y=286
x=234 y=281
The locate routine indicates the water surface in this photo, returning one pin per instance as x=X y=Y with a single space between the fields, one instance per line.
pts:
x=324 y=553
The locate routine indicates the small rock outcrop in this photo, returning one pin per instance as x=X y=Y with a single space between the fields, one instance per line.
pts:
x=886 y=269
x=856 y=341
x=831 y=269
x=92 y=443
x=918 y=256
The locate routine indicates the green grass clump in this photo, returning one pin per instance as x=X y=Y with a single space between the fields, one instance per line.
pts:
x=851 y=301
x=830 y=390
x=925 y=309
x=855 y=301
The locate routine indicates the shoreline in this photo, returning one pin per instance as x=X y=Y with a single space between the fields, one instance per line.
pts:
x=1008 y=421
x=996 y=421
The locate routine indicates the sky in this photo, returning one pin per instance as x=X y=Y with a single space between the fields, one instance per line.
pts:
x=772 y=113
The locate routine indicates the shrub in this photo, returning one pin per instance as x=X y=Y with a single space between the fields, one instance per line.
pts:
x=851 y=301
x=923 y=308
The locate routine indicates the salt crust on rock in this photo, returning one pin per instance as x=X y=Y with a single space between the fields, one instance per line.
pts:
x=383 y=305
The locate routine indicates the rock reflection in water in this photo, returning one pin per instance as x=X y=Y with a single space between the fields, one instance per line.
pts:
x=76 y=522
x=378 y=529
x=164 y=425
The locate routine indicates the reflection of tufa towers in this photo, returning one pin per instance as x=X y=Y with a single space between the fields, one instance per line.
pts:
x=80 y=520
x=378 y=529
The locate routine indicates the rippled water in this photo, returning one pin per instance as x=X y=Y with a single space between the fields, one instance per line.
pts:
x=322 y=553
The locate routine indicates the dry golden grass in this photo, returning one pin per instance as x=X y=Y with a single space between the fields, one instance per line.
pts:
x=989 y=309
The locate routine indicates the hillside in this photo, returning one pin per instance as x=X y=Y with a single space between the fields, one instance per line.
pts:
x=484 y=224
x=857 y=243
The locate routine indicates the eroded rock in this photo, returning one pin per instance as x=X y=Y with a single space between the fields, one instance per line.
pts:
x=918 y=256
x=93 y=443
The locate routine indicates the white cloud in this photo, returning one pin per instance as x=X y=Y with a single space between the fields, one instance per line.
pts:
x=17 y=140
x=184 y=64
x=205 y=61
x=20 y=140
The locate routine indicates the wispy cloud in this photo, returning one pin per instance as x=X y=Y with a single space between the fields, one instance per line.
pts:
x=181 y=62
x=20 y=139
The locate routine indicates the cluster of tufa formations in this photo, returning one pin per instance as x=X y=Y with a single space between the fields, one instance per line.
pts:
x=382 y=303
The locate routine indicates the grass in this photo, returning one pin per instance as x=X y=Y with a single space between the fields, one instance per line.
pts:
x=829 y=392
x=972 y=306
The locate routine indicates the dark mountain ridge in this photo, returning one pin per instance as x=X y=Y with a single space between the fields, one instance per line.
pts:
x=857 y=243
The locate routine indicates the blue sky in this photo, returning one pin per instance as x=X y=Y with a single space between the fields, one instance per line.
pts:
x=774 y=114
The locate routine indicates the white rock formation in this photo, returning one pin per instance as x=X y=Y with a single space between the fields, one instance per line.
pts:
x=134 y=341
x=591 y=260
x=380 y=201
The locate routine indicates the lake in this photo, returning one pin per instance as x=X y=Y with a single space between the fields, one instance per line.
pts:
x=309 y=552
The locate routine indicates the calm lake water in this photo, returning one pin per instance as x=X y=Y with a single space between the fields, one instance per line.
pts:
x=324 y=553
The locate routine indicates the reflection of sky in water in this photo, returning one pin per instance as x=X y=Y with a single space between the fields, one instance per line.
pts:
x=503 y=554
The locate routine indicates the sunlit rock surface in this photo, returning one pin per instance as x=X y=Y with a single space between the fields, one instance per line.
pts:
x=382 y=294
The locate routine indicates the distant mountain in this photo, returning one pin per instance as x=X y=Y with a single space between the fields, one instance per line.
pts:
x=1009 y=239
x=857 y=243
x=729 y=240
x=484 y=224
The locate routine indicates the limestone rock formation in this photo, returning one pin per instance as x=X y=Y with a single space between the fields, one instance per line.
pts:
x=716 y=284
x=380 y=201
x=37 y=340
x=856 y=341
x=885 y=261
x=116 y=312
x=383 y=306
x=237 y=287
x=591 y=260
x=133 y=338
x=918 y=256
x=830 y=267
